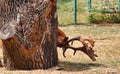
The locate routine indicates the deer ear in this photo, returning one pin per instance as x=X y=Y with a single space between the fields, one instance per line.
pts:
x=65 y=39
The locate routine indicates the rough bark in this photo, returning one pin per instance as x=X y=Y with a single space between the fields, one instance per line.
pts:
x=34 y=44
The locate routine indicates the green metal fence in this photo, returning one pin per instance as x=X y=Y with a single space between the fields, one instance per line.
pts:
x=104 y=6
x=70 y=11
x=77 y=11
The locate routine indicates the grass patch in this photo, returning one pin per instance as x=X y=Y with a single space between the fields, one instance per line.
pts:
x=104 y=18
x=65 y=12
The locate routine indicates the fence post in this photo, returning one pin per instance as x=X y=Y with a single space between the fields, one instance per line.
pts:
x=89 y=5
x=119 y=5
x=75 y=11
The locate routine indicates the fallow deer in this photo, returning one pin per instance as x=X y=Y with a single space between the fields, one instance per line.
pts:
x=63 y=42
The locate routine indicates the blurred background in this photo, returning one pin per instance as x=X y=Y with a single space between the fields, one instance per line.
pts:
x=88 y=11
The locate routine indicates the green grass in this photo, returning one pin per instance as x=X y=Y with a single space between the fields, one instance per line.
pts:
x=65 y=12
x=104 y=18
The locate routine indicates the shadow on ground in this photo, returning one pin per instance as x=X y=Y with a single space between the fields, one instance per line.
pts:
x=69 y=66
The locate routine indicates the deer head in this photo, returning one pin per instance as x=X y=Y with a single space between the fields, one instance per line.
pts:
x=89 y=51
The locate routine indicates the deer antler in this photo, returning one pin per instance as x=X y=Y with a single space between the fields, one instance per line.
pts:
x=87 y=50
x=63 y=42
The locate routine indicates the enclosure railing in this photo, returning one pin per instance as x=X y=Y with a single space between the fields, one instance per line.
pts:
x=91 y=9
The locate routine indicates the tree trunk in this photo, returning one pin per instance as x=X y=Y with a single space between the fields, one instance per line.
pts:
x=33 y=45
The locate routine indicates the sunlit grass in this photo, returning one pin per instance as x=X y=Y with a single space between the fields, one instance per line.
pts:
x=66 y=13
